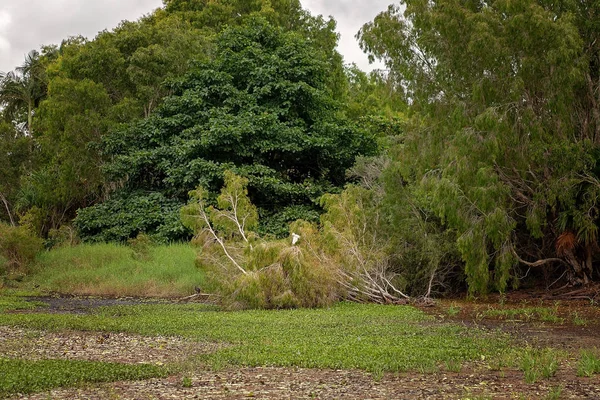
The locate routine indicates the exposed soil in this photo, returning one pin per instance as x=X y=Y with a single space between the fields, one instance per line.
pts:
x=578 y=326
x=93 y=346
x=83 y=305
x=475 y=380
x=291 y=383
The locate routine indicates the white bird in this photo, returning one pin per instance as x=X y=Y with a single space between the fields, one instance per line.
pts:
x=295 y=238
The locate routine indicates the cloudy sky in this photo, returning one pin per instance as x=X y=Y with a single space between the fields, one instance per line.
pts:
x=28 y=24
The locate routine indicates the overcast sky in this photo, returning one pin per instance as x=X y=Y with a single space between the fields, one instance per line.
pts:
x=27 y=24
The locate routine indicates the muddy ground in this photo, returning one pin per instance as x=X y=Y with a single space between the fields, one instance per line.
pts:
x=475 y=380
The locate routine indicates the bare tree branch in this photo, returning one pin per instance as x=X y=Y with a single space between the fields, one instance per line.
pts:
x=7 y=206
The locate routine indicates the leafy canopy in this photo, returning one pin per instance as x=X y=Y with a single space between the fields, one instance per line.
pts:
x=261 y=108
x=503 y=140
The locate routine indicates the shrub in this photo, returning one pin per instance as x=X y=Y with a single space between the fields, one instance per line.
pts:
x=286 y=277
x=246 y=270
x=18 y=247
x=65 y=236
x=123 y=218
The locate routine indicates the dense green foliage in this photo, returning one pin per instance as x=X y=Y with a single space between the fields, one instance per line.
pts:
x=70 y=96
x=503 y=142
x=130 y=213
x=260 y=107
x=473 y=157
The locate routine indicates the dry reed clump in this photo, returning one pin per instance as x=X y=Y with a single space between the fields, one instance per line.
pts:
x=249 y=272
x=278 y=276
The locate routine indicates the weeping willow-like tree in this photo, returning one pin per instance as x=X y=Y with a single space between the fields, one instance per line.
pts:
x=504 y=140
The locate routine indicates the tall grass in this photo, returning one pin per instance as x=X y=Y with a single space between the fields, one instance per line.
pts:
x=118 y=270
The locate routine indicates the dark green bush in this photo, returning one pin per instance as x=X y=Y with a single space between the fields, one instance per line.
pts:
x=122 y=218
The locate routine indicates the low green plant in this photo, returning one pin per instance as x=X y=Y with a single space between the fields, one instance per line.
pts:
x=589 y=363
x=453 y=366
x=554 y=393
x=186 y=382
x=470 y=396
x=539 y=363
x=508 y=359
x=24 y=376
x=453 y=310
x=345 y=336
x=16 y=303
x=579 y=321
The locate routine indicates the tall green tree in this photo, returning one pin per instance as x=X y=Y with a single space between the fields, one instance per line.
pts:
x=503 y=142
x=132 y=65
x=261 y=108
x=67 y=174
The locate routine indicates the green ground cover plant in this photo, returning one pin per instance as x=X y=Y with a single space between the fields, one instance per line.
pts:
x=589 y=363
x=349 y=336
x=22 y=376
x=539 y=364
x=118 y=270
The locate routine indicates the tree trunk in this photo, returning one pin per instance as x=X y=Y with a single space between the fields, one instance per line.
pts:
x=580 y=272
x=6 y=205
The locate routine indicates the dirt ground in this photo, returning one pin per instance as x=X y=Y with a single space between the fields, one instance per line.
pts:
x=290 y=383
x=475 y=380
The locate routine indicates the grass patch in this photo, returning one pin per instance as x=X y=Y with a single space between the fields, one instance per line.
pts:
x=16 y=303
x=544 y=314
x=346 y=336
x=579 y=321
x=117 y=270
x=539 y=363
x=21 y=376
x=589 y=363
x=453 y=310
x=554 y=393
